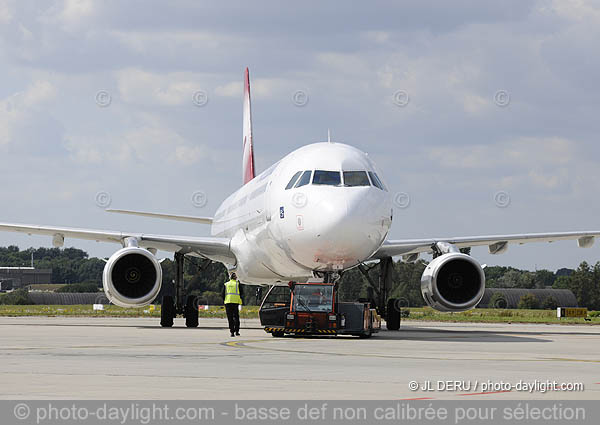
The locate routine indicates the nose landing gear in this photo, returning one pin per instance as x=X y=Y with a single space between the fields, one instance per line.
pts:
x=328 y=277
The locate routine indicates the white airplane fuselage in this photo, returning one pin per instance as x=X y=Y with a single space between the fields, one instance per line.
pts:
x=280 y=234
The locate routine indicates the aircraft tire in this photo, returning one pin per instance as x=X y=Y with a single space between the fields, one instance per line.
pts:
x=393 y=315
x=167 y=312
x=191 y=312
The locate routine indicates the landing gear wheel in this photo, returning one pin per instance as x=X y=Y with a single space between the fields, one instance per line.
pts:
x=167 y=312
x=392 y=319
x=191 y=312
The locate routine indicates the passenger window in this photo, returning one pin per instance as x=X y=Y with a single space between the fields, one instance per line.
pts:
x=329 y=178
x=304 y=179
x=375 y=180
x=293 y=180
x=356 y=178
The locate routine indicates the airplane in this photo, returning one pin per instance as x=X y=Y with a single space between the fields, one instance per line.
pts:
x=319 y=211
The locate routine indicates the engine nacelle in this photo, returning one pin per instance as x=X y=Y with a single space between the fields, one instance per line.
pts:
x=453 y=282
x=132 y=277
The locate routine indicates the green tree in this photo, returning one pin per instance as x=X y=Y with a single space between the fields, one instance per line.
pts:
x=210 y=298
x=544 y=278
x=69 y=265
x=562 y=282
x=528 y=301
x=494 y=276
x=526 y=280
x=90 y=270
x=549 y=303
x=510 y=279
x=353 y=285
x=16 y=297
x=407 y=282
x=564 y=272
x=595 y=301
x=204 y=275
x=583 y=286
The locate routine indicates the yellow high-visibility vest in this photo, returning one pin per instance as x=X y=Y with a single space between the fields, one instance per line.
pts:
x=232 y=292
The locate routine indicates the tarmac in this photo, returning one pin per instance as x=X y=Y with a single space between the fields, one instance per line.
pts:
x=134 y=358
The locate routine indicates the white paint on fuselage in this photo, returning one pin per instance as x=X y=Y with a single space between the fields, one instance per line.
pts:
x=279 y=234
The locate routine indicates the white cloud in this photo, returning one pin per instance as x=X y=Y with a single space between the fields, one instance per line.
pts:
x=232 y=89
x=451 y=141
x=6 y=11
x=39 y=92
x=145 y=88
x=189 y=155
x=273 y=87
x=153 y=143
x=550 y=178
x=379 y=37
x=26 y=34
x=525 y=151
x=149 y=41
x=575 y=10
x=344 y=63
x=548 y=163
x=261 y=88
x=75 y=14
x=19 y=109
x=475 y=104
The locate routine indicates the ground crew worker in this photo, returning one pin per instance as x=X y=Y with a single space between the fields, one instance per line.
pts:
x=232 y=298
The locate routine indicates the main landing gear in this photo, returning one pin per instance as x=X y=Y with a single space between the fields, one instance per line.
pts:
x=388 y=308
x=172 y=306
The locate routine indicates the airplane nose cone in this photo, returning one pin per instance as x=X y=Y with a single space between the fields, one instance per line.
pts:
x=338 y=227
x=332 y=219
x=342 y=230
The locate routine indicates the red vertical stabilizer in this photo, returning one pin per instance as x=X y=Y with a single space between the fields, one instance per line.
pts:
x=248 y=156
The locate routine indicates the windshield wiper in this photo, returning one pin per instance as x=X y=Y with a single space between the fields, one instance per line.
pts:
x=303 y=304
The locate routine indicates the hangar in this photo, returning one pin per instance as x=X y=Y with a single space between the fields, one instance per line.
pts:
x=565 y=297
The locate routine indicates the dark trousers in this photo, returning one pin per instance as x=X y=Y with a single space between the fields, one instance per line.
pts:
x=233 y=316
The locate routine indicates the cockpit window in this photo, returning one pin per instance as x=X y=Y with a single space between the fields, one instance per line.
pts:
x=356 y=178
x=304 y=179
x=329 y=178
x=376 y=182
x=381 y=182
x=293 y=180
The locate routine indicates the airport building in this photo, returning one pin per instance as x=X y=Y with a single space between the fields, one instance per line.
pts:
x=18 y=277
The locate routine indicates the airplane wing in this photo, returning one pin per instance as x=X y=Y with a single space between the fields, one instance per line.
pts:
x=206 y=247
x=497 y=244
x=188 y=218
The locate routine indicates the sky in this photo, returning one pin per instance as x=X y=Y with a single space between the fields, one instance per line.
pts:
x=483 y=116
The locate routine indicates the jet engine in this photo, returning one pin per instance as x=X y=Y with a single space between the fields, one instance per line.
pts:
x=132 y=277
x=453 y=282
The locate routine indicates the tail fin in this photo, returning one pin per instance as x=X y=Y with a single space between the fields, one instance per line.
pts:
x=248 y=158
